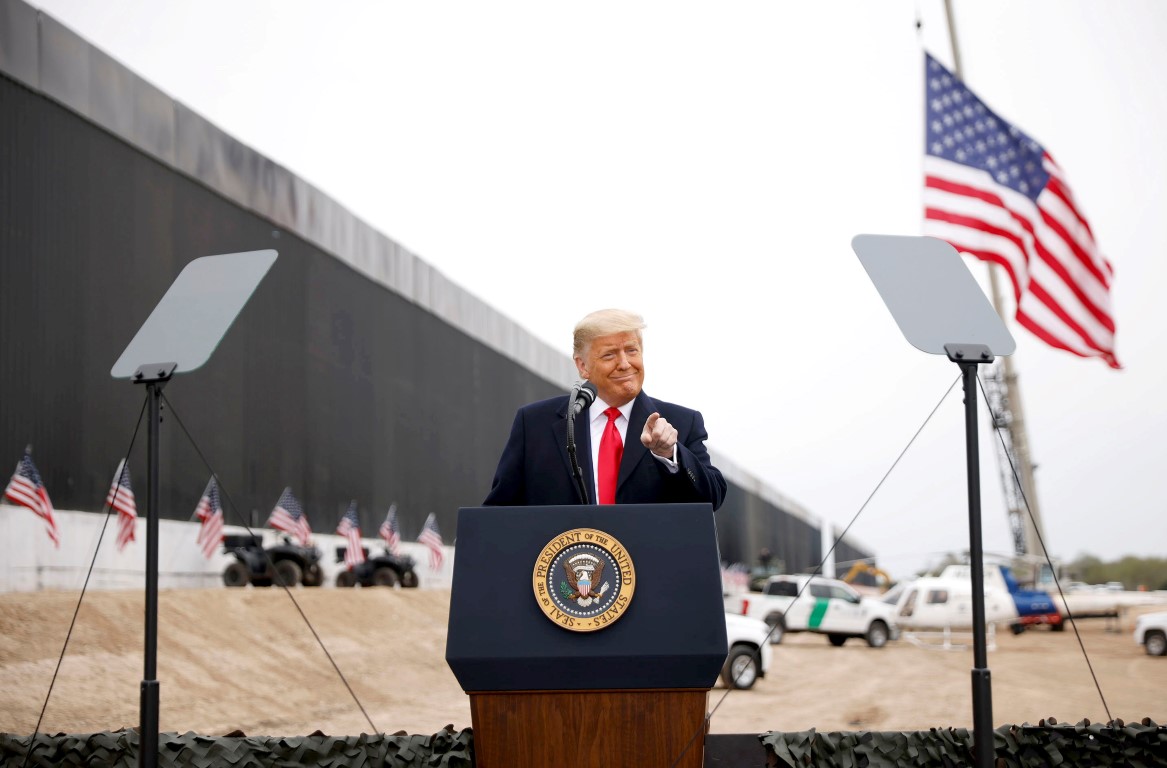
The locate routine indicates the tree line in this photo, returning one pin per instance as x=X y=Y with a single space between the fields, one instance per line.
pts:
x=1148 y=573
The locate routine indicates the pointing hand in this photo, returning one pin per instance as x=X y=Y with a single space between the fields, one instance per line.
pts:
x=659 y=436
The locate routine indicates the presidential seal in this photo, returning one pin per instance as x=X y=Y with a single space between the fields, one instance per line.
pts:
x=584 y=580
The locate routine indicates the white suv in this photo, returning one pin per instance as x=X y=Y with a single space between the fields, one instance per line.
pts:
x=1151 y=633
x=749 y=653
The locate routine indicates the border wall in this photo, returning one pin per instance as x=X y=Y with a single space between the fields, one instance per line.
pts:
x=355 y=371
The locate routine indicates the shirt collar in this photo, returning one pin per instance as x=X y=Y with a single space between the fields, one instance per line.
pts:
x=599 y=406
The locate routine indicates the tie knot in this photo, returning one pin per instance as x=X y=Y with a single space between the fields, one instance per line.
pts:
x=612 y=413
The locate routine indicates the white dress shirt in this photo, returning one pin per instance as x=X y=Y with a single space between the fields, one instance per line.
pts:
x=599 y=422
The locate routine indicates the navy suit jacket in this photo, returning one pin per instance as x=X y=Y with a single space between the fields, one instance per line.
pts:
x=535 y=469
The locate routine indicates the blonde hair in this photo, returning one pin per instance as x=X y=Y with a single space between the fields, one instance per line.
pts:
x=605 y=322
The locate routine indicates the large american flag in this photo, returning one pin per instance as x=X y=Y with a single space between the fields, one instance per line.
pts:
x=390 y=532
x=996 y=194
x=210 y=513
x=288 y=516
x=121 y=498
x=350 y=528
x=26 y=489
x=432 y=538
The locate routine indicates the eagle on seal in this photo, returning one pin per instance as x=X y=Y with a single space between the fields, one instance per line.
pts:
x=583 y=576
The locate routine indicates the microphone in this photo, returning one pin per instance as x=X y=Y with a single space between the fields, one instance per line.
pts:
x=580 y=397
x=585 y=395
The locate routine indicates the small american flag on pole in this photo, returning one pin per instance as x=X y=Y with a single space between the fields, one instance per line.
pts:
x=996 y=194
x=390 y=532
x=432 y=538
x=121 y=498
x=350 y=528
x=288 y=516
x=26 y=489
x=210 y=513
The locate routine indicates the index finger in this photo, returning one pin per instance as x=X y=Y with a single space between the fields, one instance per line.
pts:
x=651 y=420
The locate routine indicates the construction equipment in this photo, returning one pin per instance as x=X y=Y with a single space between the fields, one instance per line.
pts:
x=863 y=574
x=1016 y=468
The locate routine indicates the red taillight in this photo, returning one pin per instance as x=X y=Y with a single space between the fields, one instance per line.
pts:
x=745 y=607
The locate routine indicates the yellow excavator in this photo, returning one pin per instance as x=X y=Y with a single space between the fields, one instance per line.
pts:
x=863 y=575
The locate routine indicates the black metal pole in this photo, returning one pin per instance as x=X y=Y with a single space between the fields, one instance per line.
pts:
x=981 y=685
x=148 y=728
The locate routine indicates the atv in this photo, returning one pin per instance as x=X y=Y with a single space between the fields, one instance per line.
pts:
x=287 y=563
x=383 y=570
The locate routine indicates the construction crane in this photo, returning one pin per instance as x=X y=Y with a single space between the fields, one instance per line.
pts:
x=1013 y=454
x=1005 y=401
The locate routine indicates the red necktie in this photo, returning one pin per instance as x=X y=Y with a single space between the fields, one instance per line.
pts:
x=611 y=449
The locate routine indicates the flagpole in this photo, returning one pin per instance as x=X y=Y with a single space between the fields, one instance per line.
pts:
x=1015 y=424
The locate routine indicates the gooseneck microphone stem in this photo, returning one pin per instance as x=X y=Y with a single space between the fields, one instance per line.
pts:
x=577 y=474
x=580 y=397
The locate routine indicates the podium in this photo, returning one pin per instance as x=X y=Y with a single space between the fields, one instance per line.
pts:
x=625 y=687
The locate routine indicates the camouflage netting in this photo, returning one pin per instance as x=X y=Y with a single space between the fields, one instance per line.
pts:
x=119 y=749
x=1049 y=743
x=1022 y=746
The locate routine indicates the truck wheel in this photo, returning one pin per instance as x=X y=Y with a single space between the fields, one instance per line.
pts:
x=313 y=576
x=235 y=575
x=409 y=580
x=741 y=667
x=1155 y=642
x=385 y=577
x=877 y=634
x=346 y=579
x=288 y=573
x=836 y=639
x=777 y=624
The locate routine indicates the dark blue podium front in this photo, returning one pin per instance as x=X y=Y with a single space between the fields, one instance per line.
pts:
x=672 y=634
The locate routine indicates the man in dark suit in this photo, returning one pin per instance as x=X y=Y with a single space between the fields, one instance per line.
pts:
x=647 y=451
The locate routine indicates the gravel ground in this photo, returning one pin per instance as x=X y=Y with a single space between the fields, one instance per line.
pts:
x=244 y=660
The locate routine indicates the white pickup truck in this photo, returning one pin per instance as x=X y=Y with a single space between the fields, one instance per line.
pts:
x=803 y=603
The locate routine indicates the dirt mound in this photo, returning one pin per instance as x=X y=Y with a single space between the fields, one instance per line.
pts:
x=244 y=659
x=233 y=659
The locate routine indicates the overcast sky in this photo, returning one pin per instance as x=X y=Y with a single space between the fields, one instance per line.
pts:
x=707 y=165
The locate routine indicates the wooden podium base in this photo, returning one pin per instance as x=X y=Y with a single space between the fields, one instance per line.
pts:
x=633 y=728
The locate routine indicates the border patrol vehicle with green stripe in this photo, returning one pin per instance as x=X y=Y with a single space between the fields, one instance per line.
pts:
x=803 y=603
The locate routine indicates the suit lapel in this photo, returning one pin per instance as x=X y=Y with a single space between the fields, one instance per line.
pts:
x=634 y=450
x=583 y=448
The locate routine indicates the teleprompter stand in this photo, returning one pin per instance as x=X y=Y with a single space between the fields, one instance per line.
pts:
x=184 y=329
x=633 y=693
x=941 y=310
